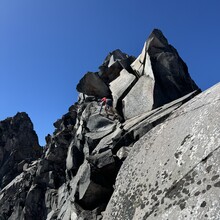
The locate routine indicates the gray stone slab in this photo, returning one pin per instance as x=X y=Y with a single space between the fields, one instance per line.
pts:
x=140 y=99
x=156 y=114
x=119 y=86
x=128 y=124
x=106 y=142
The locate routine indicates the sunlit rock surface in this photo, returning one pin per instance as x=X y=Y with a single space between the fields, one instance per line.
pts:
x=172 y=172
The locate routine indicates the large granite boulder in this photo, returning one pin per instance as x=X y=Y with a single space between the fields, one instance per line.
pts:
x=172 y=171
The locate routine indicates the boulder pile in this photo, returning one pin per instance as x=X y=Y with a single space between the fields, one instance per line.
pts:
x=155 y=157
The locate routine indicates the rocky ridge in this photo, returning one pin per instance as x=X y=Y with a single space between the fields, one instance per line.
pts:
x=18 y=146
x=99 y=167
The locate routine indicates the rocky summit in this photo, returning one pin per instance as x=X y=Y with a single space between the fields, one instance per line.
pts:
x=153 y=155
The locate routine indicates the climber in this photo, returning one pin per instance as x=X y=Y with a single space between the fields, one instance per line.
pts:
x=108 y=106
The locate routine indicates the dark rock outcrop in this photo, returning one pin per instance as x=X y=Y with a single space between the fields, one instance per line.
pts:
x=140 y=162
x=114 y=63
x=18 y=146
x=163 y=74
x=91 y=84
x=97 y=84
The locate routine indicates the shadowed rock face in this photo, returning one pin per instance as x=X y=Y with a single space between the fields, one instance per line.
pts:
x=18 y=145
x=91 y=84
x=120 y=166
x=172 y=79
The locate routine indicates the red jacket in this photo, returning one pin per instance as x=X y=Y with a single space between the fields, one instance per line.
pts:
x=104 y=99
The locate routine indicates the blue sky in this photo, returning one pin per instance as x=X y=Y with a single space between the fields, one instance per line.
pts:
x=46 y=46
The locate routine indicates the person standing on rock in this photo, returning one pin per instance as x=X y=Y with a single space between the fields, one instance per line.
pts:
x=108 y=106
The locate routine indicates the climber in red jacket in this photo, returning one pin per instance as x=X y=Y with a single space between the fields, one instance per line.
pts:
x=108 y=106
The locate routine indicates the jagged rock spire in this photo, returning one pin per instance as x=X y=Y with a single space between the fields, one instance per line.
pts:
x=163 y=77
x=156 y=77
x=18 y=145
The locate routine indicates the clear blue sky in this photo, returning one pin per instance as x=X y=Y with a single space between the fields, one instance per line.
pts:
x=46 y=46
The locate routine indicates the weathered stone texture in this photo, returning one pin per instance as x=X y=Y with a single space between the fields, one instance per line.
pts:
x=139 y=99
x=172 y=171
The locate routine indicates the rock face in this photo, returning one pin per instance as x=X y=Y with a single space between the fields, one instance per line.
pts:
x=164 y=73
x=140 y=98
x=18 y=146
x=154 y=157
x=172 y=172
